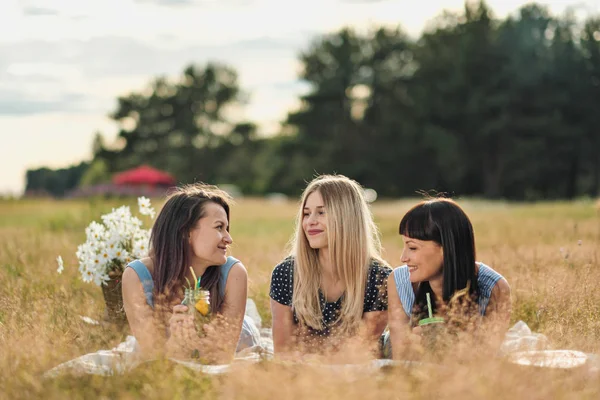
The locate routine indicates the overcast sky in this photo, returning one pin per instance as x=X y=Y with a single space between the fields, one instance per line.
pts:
x=64 y=62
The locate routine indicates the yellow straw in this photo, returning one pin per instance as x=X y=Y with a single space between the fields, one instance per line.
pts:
x=194 y=275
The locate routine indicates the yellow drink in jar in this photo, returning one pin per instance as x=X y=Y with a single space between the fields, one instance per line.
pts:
x=198 y=302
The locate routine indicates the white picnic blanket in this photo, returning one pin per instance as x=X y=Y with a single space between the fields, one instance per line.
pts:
x=125 y=357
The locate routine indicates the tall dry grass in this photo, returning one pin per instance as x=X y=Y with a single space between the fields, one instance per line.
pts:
x=548 y=252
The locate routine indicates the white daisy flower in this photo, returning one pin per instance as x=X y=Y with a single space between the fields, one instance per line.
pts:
x=145 y=207
x=61 y=265
x=113 y=243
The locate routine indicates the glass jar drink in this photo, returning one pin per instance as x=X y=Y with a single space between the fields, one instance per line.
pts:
x=432 y=329
x=198 y=302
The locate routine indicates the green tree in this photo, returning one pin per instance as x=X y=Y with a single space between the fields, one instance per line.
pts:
x=590 y=103
x=57 y=182
x=177 y=126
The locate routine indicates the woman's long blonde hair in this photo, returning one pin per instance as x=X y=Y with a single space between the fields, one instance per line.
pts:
x=353 y=243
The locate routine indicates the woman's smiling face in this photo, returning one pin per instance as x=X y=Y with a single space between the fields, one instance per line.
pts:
x=209 y=238
x=314 y=221
x=425 y=259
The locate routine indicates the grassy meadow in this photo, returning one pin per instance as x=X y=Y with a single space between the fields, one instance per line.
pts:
x=547 y=251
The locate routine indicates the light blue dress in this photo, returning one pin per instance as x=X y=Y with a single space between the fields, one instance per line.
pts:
x=486 y=280
x=249 y=336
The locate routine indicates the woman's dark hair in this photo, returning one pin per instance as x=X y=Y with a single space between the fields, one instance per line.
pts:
x=444 y=222
x=169 y=245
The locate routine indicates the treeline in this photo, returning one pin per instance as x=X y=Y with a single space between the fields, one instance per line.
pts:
x=475 y=106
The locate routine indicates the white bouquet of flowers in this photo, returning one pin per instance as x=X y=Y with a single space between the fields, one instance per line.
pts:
x=110 y=245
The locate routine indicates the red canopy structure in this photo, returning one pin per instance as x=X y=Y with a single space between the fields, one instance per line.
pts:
x=143 y=175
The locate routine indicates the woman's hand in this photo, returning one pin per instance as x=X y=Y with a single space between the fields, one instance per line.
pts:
x=212 y=347
x=416 y=336
x=184 y=338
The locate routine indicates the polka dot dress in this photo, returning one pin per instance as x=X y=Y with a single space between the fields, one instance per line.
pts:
x=282 y=286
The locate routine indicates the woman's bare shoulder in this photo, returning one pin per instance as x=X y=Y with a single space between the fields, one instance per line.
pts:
x=149 y=263
x=130 y=277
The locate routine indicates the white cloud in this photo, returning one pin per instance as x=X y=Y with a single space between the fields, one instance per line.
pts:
x=39 y=11
x=48 y=69
x=101 y=69
x=180 y=3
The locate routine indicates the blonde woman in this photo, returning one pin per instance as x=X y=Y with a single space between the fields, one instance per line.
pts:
x=333 y=285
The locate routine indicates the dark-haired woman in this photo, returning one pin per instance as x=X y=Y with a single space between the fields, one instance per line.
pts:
x=439 y=258
x=190 y=232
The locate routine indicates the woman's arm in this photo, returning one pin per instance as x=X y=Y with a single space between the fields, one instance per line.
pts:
x=371 y=327
x=497 y=313
x=398 y=322
x=281 y=294
x=229 y=326
x=283 y=327
x=374 y=323
x=499 y=306
x=147 y=329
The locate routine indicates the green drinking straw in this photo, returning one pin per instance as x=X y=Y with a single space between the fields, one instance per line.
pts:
x=431 y=319
x=429 y=305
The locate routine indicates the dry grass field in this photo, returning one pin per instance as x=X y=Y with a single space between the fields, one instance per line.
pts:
x=547 y=251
